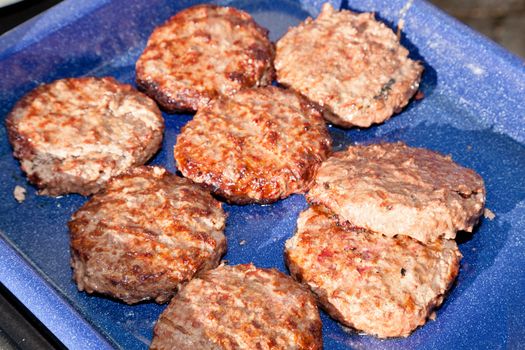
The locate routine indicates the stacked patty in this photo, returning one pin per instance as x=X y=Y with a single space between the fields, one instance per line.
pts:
x=374 y=246
x=240 y=307
x=350 y=64
x=147 y=234
x=72 y=135
x=399 y=190
x=260 y=145
x=202 y=53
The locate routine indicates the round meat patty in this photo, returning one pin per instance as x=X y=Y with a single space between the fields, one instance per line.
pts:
x=395 y=189
x=240 y=307
x=147 y=234
x=350 y=64
x=380 y=285
x=259 y=146
x=72 y=135
x=204 y=52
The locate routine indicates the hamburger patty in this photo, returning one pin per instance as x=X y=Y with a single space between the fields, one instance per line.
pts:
x=350 y=64
x=204 y=52
x=381 y=285
x=72 y=135
x=395 y=189
x=240 y=307
x=144 y=236
x=260 y=145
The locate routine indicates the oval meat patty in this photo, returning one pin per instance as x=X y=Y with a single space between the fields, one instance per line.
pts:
x=72 y=135
x=380 y=285
x=350 y=64
x=146 y=235
x=395 y=189
x=240 y=307
x=260 y=145
x=203 y=52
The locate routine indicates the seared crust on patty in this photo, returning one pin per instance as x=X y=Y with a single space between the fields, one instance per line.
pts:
x=240 y=307
x=73 y=134
x=259 y=146
x=204 y=52
x=350 y=64
x=380 y=285
x=399 y=190
x=145 y=236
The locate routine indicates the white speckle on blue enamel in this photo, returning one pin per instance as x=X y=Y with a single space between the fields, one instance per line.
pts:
x=473 y=109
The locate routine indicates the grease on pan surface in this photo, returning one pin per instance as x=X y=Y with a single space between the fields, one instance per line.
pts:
x=381 y=285
x=147 y=234
x=260 y=145
x=240 y=307
x=73 y=134
x=204 y=52
x=350 y=64
x=399 y=190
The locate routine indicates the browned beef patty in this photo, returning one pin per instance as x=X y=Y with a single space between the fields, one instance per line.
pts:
x=146 y=235
x=380 y=285
x=394 y=189
x=204 y=52
x=350 y=64
x=240 y=307
x=72 y=135
x=259 y=145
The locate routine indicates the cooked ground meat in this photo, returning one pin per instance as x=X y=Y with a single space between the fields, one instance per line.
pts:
x=204 y=52
x=260 y=145
x=72 y=135
x=240 y=307
x=399 y=190
x=380 y=285
x=350 y=64
x=145 y=236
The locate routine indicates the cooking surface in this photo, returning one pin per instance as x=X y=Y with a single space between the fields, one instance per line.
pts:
x=473 y=109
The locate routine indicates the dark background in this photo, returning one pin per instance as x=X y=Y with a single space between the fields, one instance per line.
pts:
x=501 y=20
x=12 y=15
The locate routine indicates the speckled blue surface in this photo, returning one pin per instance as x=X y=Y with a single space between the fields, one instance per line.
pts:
x=473 y=109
